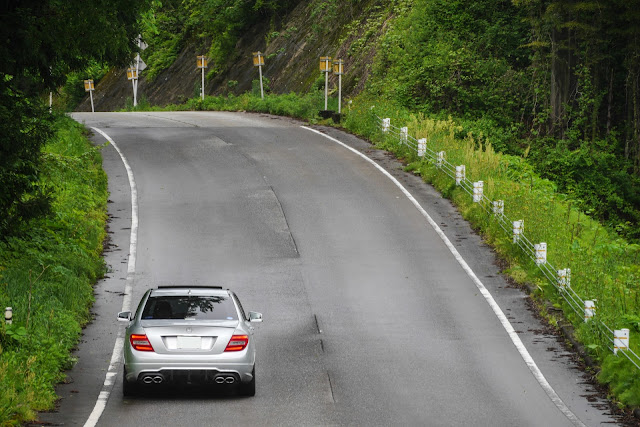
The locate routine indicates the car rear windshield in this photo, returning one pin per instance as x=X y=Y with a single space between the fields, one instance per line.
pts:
x=193 y=307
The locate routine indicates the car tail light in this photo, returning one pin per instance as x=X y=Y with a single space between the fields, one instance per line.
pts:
x=140 y=342
x=237 y=343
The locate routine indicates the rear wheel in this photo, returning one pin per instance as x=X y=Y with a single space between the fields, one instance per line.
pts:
x=249 y=389
x=128 y=389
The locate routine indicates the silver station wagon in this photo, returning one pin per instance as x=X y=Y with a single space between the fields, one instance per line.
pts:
x=189 y=335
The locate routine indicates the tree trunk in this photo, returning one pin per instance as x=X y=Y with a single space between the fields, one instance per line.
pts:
x=561 y=79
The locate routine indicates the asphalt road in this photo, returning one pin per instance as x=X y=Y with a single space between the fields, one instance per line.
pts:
x=369 y=318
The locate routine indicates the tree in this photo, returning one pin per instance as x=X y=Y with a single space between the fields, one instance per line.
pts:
x=43 y=41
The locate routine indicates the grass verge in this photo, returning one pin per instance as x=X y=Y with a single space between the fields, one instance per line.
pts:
x=47 y=276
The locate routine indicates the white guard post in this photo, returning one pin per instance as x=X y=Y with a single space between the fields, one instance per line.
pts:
x=258 y=61
x=8 y=315
x=478 y=189
x=498 y=207
x=620 y=340
x=589 y=310
x=460 y=174
x=440 y=158
x=88 y=87
x=404 y=135
x=422 y=147
x=202 y=64
x=386 y=125
x=518 y=229
x=541 y=253
x=564 y=279
x=325 y=67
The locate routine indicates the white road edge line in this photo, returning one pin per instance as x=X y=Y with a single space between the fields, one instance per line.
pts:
x=116 y=356
x=537 y=373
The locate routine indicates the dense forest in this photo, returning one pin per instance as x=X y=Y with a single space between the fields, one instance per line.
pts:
x=555 y=81
x=43 y=43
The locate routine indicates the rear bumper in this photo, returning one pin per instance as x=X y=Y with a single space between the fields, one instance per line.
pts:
x=189 y=369
x=190 y=377
x=185 y=373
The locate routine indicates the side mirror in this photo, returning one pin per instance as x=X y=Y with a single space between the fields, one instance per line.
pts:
x=124 y=316
x=255 y=317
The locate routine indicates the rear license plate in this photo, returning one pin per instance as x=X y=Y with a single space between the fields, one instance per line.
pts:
x=189 y=343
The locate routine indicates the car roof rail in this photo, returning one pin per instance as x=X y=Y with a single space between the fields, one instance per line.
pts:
x=188 y=286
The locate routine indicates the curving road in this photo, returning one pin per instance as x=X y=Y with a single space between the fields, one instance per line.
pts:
x=369 y=318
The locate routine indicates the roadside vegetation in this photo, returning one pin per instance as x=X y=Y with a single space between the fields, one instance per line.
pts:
x=170 y=24
x=53 y=191
x=47 y=272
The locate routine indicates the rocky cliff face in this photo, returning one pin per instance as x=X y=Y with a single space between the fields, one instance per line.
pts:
x=291 y=59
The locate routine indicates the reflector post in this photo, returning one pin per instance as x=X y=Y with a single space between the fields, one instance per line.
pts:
x=620 y=340
x=386 y=124
x=258 y=59
x=478 y=191
x=132 y=73
x=88 y=87
x=422 y=147
x=541 y=253
x=461 y=174
x=325 y=64
x=338 y=67
x=589 y=310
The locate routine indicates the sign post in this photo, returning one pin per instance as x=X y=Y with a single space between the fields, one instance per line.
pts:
x=132 y=74
x=202 y=64
x=325 y=67
x=338 y=69
x=135 y=80
x=88 y=87
x=134 y=71
x=258 y=61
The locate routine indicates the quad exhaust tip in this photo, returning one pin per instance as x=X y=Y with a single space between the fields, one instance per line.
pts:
x=153 y=379
x=225 y=380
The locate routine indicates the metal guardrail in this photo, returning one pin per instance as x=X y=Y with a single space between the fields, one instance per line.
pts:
x=574 y=301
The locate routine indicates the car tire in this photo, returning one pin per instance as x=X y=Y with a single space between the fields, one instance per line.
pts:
x=128 y=389
x=249 y=389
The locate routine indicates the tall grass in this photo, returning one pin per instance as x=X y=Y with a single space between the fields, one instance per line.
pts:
x=47 y=273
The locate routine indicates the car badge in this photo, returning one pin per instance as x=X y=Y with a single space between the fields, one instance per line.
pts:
x=188 y=330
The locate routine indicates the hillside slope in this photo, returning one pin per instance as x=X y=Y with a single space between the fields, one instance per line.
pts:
x=292 y=51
